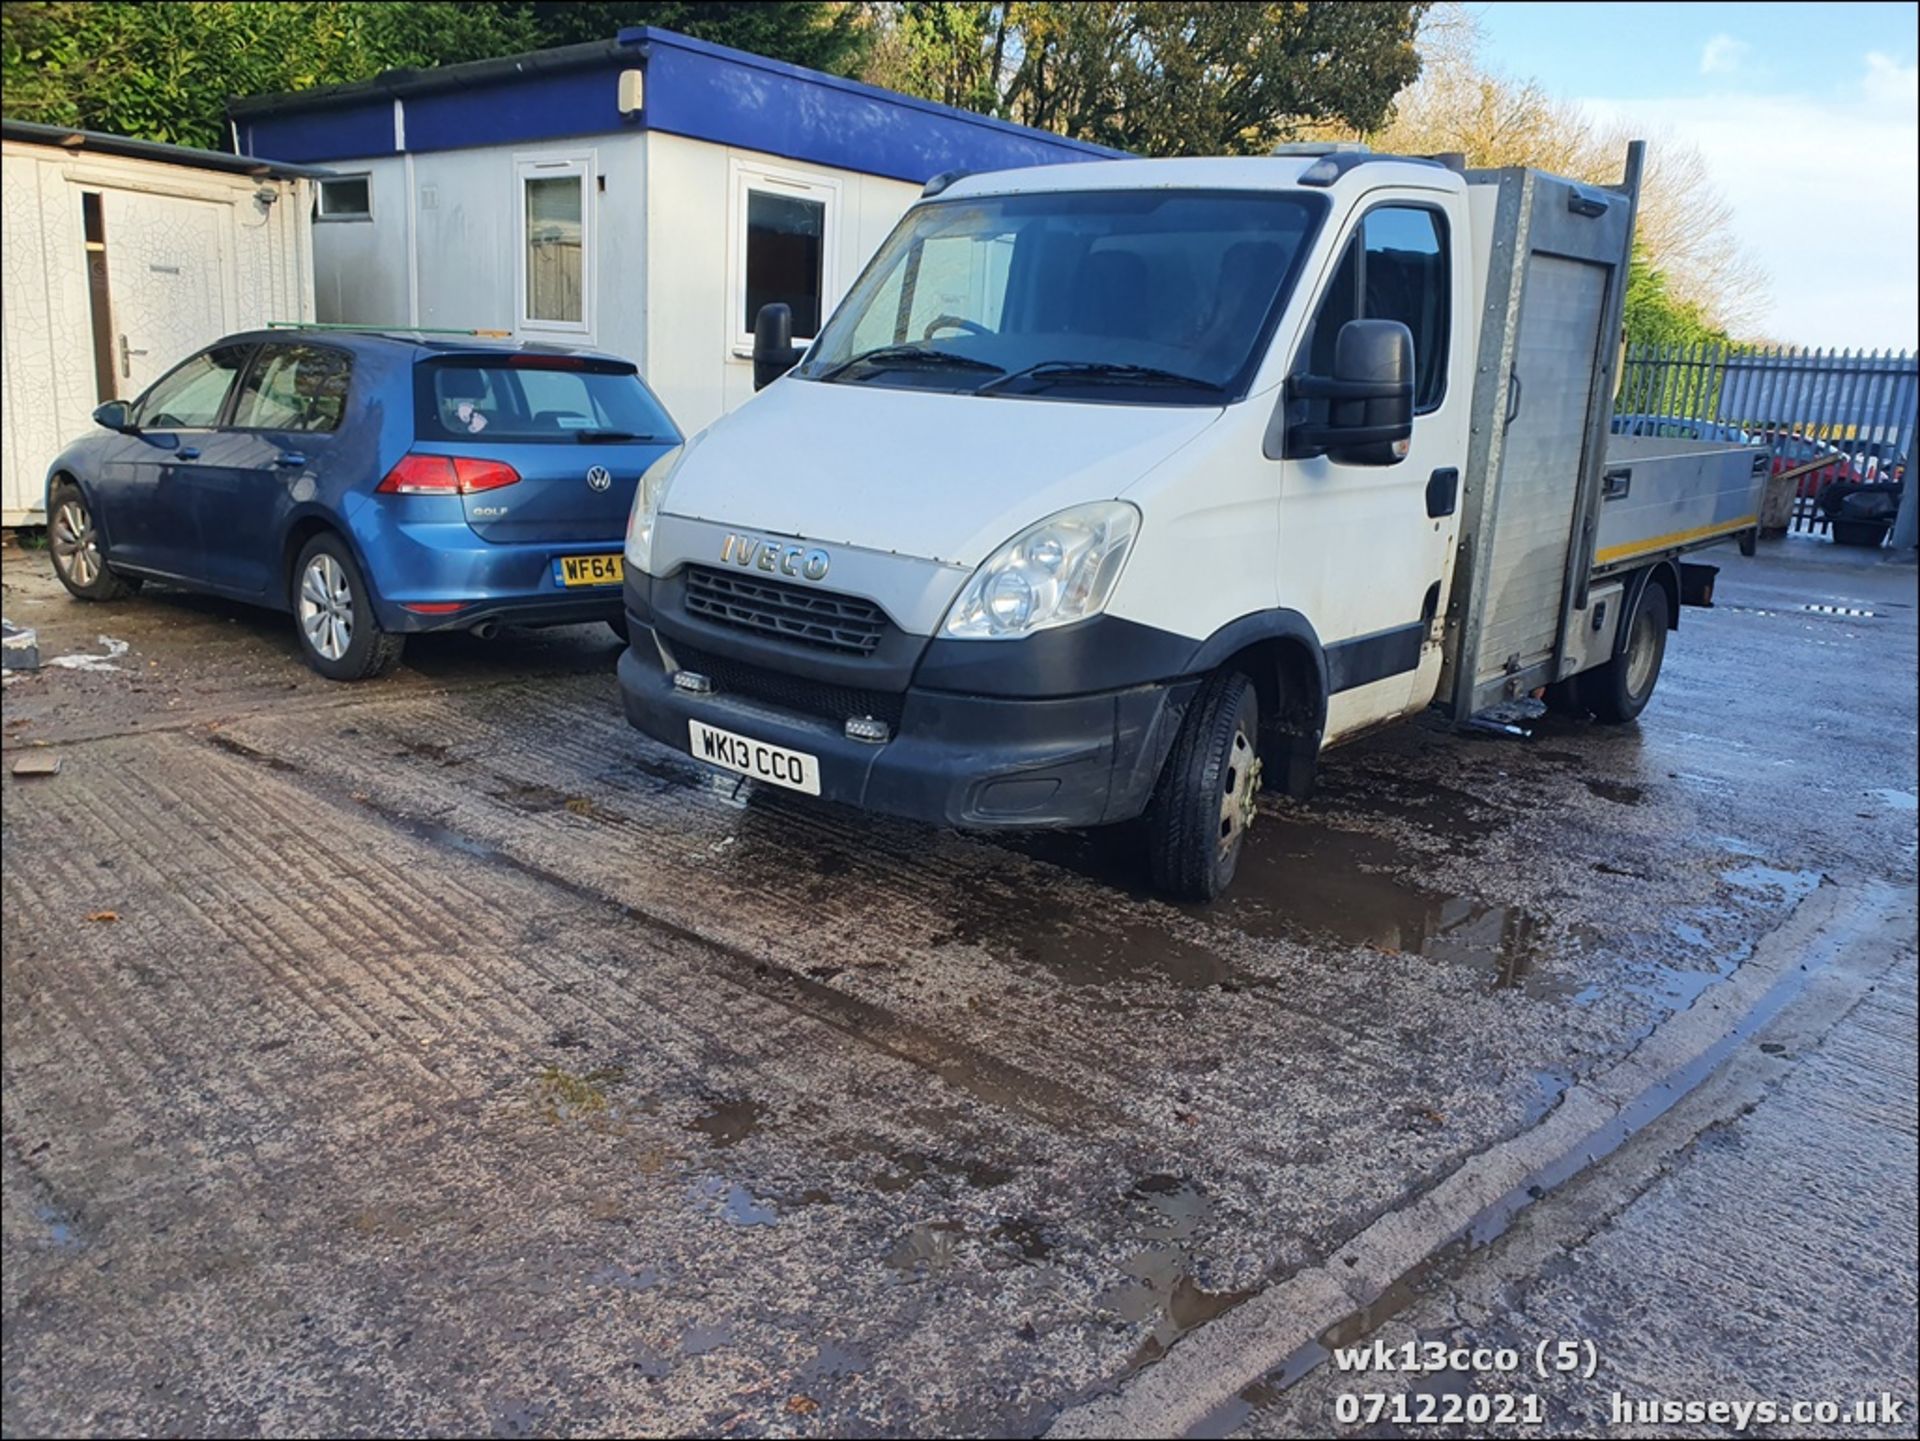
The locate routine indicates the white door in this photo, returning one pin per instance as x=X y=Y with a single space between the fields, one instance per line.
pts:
x=166 y=280
x=1370 y=545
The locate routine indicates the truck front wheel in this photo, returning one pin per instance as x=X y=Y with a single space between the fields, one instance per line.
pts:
x=1197 y=821
x=1619 y=690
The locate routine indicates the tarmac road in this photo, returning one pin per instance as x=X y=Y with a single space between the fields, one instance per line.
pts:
x=457 y=1060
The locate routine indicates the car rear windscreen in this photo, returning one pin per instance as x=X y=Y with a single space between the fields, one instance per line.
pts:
x=563 y=400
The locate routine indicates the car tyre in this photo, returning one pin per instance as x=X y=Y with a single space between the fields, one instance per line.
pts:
x=1203 y=803
x=73 y=541
x=333 y=615
x=1619 y=690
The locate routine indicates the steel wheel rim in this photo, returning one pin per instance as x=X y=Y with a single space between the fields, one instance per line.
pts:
x=1640 y=652
x=76 y=546
x=326 y=607
x=1239 y=789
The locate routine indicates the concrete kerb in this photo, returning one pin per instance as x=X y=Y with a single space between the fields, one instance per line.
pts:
x=1284 y=1324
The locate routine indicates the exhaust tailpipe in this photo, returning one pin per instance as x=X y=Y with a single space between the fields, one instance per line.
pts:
x=487 y=629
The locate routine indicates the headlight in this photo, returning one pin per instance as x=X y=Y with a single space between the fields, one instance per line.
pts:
x=1059 y=571
x=646 y=508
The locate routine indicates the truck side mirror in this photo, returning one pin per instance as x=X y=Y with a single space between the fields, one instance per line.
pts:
x=773 y=350
x=1369 y=397
x=114 y=415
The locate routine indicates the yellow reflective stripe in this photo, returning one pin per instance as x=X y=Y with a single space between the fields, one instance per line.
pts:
x=1667 y=542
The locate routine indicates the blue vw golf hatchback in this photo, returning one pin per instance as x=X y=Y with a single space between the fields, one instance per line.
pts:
x=374 y=484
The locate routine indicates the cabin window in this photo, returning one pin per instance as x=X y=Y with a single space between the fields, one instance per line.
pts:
x=555 y=244
x=784 y=234
x=344 y=197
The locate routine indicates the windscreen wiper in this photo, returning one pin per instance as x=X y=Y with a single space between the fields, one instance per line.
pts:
x=590 y=436
x=1100 y=372
x=908 y=357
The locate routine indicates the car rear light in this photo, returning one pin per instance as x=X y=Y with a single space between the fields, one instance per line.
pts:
x=548 y=362
x=446 y=475
x=434 y=607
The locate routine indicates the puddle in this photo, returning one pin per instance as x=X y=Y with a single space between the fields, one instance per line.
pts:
x=1161 y=1292
x=1794 y=886
x=910 y=1166
x=1618 y=792
x=929 y=1246
x=1010 y=915
x=727 y=1123
x=1301 y=882
x=1899 y=800
x=737 y=1204
x=1024 y=1236
x=698 y=1340
x=536 y=800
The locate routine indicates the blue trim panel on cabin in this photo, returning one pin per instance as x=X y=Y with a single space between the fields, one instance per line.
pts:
x=702 y=91
x=709 y=92
x=347 y=132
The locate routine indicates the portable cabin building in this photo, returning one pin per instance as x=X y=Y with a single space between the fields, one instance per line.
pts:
x=644 y=195
x=122 y=257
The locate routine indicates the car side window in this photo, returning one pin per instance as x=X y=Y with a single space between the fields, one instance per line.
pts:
x=1394 y=267
x=192 y=396
x=295 y=387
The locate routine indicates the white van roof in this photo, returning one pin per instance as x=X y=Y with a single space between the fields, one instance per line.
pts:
x=1209 y=172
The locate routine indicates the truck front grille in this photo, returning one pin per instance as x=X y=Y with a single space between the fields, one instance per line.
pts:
x=836 y=703
x=770 y=607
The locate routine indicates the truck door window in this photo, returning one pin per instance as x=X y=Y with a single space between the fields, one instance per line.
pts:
x=1395 y=268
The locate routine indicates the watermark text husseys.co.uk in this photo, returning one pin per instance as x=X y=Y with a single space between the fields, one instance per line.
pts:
x=1881 y=1410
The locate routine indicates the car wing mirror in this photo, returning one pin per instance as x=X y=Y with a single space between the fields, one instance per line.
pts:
x=1369 y=397
x=114 y=415
x=773 y=349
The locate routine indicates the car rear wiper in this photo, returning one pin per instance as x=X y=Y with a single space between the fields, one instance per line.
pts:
x=590 y=436
x=1100 y=372
x=908 y=357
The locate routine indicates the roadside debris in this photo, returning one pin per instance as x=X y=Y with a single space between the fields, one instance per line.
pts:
x=103 y=916
x=37 y=763
x=114 y=650
x=20 y=649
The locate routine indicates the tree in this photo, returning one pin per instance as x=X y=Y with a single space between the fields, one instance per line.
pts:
x=830 y=37
x=166 y=71
x=1154 y=78
x=1691 y=276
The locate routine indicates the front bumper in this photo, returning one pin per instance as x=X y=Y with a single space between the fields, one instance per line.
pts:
x=970 y=761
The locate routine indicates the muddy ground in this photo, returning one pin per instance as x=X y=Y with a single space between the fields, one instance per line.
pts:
x=438 y=1054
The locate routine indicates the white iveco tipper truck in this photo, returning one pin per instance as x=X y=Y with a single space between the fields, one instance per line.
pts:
x=1120 y=489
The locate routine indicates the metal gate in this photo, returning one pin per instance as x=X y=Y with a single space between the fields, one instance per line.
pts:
x=1827 y=415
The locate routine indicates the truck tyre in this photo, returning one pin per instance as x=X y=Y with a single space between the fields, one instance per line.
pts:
x=1204 y=802
x=333 y=614
x=1619 y=690
x=73 y=540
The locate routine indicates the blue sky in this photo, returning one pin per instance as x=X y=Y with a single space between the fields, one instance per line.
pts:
x=1806 y=114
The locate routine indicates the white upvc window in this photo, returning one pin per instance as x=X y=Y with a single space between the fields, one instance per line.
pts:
x=784 y=227
x=554 y=198
x=344 y=197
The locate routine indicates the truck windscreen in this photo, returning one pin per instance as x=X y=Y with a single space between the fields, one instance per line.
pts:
x=1166 y=296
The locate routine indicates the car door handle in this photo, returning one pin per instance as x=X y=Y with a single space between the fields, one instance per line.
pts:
x=187 y=452
x=290 y=458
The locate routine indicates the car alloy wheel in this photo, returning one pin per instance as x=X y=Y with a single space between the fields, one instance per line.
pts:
x=75 y=543
x=326 y=607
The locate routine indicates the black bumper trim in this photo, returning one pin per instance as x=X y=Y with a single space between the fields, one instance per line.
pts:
x=976 y=762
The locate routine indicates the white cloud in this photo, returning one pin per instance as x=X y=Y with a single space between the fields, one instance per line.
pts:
x=1723 y=55
x=1888 y=82
x=1825 y=191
